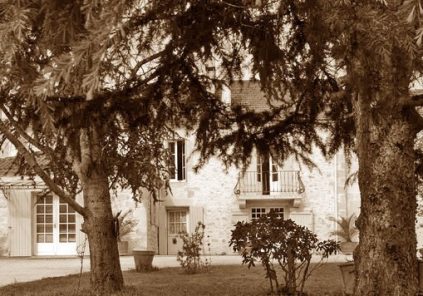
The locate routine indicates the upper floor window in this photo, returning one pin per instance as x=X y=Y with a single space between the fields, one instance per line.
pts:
x=177 y=160
x=267 y=168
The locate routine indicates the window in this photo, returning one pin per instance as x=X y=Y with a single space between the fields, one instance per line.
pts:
x=177 y=221
x=177 y=160
x=258 y=168
x=259 y=212
x=275 y=176
x=44 y=218
x=277 y=211
x=264 y=163
x=67 y=223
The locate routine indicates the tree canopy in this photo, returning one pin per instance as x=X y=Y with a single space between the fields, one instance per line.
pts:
x=85 y=82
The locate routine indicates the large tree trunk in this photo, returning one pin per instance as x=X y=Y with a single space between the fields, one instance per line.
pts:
x=385 y=259
x=99 y=223
x=106 y=274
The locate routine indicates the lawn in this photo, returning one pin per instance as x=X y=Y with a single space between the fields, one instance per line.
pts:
x=220 y=280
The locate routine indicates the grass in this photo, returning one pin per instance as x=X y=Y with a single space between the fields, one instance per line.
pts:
x=220 y=280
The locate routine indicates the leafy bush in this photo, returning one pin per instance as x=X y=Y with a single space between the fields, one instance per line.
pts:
x=126 y=224
x=277 y=242
x=190 y=256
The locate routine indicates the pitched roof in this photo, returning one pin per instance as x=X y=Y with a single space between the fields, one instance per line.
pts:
x=12 y=178
x=248 y=94
x=9 y=166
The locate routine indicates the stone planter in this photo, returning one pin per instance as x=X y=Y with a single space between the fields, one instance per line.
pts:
x=347 y=248
x=348 y=277
x=123 y=247
x=143 y=260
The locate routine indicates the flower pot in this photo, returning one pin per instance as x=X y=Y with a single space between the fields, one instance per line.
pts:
x=143 y=260
x=123 y=247
x=348 y=277
x=347 y=248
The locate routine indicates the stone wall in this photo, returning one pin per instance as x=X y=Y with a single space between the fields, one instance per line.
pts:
x=144 y=234
x=211 y=188
x=326 y=193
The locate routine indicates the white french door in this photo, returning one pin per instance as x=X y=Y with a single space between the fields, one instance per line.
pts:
x=267 y=174
x=55 y=227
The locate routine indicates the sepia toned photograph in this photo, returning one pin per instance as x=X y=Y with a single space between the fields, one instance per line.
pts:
x=211 y=147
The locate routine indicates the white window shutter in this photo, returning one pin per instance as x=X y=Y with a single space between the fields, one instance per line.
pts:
x=303 y=219
x=20 y=227
x=196 y=214
x=162 y=230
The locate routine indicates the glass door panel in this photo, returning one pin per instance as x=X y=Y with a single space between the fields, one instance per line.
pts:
x=177 y=222
x=55 y=232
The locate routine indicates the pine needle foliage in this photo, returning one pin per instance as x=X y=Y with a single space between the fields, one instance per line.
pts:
x=118 y=77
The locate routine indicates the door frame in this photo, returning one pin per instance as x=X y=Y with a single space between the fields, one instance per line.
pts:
x=175 y=209
x=268 y=170
x=56 y=230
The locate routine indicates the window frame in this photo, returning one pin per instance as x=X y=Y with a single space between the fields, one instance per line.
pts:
x=177 y=149
x=267 y=211
x=174 y=223
x=273 y=168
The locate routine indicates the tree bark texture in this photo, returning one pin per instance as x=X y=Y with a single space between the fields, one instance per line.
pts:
x=385 y=259
x=99 y=223
x=106 y=274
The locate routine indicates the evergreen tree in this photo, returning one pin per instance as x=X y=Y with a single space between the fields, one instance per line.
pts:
x=82 y=79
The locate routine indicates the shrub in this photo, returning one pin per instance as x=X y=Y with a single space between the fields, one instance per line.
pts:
x=347 y=230
x=277 y=242
x=126 y=224
x=190 y=256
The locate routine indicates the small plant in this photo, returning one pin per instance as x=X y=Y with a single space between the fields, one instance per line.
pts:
x=277 y=242
x=126 y=224
x=347 y=230
x=190 y=256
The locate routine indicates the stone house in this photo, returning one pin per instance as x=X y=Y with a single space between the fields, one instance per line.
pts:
x=33 y=226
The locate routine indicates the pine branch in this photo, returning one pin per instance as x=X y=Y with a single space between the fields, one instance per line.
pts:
x=31 y=160
x=415 y=100
x=143 y=62
x=417 y=119
x=45 y=149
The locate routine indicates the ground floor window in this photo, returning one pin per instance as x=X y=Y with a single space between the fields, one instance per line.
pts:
x=258 y=212
x=177 y=221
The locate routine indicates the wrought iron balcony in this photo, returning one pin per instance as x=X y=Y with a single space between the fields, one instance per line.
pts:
x=269 y=183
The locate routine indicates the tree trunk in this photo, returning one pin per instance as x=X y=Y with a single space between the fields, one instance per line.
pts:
x=385 y=259
x=106 y=274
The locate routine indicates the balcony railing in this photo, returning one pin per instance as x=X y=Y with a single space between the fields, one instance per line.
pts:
x=268 y=183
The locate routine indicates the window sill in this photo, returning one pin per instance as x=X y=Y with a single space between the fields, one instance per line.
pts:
x=177 y=181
